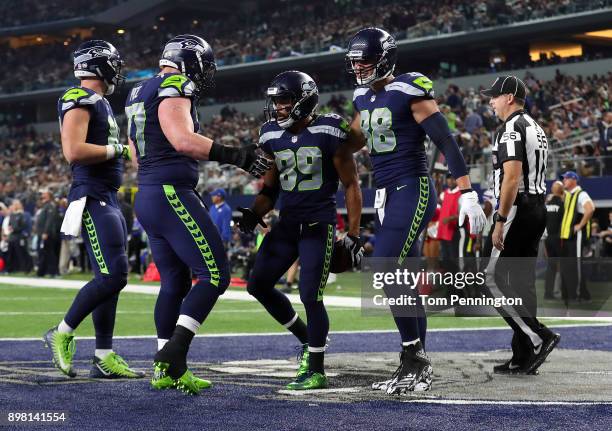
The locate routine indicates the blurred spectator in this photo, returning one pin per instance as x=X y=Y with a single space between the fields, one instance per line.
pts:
x=221 y=215
x=473 y=121
x=48 y=224
x=606 y=238
x=448 y=230
x=18 y=258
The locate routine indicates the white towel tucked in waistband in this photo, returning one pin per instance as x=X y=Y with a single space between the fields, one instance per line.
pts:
x=73 y=218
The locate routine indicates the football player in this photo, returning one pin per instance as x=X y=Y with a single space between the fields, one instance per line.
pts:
x=163 y=127
x=393 y=115
x=90 y=142
x=309 y=161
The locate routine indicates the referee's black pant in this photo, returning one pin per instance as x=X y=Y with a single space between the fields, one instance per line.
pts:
x=511 y=273
x=553 y=252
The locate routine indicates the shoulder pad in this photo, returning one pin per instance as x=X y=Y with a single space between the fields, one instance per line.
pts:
x=78 y=96
x=414 y=84
x=269 y=130
x=359 y=92
x=176 y=86
x=330 y=124
x=334 y=120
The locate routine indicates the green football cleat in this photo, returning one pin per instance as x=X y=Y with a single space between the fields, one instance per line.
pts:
x=62 y=347
x=302 y=358
x=113 y=366
x=310 y=380
x=161 y=380
x=188 y=384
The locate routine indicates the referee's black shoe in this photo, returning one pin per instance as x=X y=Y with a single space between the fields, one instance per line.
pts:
x=508 y=367
x=511 y=367
x=539 y=353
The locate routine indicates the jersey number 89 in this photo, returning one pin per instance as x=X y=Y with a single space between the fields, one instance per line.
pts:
x=307 y=160
x=376 y=127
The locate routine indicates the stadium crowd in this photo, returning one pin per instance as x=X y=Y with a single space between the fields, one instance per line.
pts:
x=264 y=34
x=17 y=13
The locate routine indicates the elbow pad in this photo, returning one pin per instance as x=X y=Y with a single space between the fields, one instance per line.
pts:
x=437 y=129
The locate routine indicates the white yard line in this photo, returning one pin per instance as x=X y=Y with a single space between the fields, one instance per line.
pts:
x=282 y=334
x=509 y=403
x=153 y=289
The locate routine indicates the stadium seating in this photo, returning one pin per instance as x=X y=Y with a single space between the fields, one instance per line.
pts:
x=315 y=27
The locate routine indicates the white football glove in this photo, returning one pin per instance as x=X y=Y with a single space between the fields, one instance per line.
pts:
x=470 y=207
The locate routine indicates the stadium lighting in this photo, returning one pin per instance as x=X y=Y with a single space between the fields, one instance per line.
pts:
x=605 y=34
x=121 y=31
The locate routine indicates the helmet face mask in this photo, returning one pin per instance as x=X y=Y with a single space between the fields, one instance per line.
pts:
x=99 y=59
x=281 y=107
x=371 y=56
x=193 y=57
x=292 y=96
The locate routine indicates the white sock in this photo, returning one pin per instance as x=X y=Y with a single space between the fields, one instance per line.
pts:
x=102 y=353
x=410 y=343
x=63 y=328
x=188 y=322
x=161 y=343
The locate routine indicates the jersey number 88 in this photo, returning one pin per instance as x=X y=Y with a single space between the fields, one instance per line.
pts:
x=376 y=127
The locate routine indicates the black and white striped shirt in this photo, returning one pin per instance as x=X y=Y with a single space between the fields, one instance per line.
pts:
x=521 y=138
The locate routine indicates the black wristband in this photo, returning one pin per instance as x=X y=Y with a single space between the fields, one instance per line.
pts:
x=501 y=218
x=464 y=191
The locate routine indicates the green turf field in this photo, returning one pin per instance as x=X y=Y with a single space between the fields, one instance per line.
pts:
x=29 y=311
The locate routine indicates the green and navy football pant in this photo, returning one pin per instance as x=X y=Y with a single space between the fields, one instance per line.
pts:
x=104 y=233
x=313 y=244
x=185 y=243
x=409 y=206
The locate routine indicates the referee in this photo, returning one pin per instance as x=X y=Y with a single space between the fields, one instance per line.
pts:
x=519 y=154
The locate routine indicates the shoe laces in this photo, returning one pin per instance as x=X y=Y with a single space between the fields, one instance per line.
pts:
x=68 y=346
x=300 y=351
x=397 y=372
x=304 y=376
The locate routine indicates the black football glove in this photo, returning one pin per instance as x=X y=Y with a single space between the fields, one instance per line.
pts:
x=353 y=245
x=246 y=158
x=249 y=220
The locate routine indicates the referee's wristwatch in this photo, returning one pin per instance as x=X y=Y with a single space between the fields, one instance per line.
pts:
x=501 y=218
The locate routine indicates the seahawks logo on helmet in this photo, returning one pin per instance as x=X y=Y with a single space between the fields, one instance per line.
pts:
x=192 y=44
x=308 y=87
x=389 y=43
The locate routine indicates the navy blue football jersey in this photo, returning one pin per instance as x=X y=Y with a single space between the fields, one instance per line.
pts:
x=396 y=142
x=101 y=130
x=158 y=161
x=305 y=161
